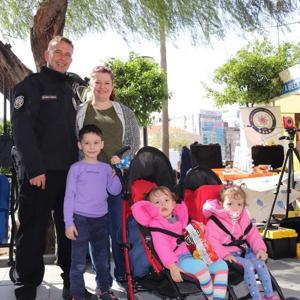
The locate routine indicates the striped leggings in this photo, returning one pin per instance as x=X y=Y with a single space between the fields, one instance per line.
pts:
x=213 y=289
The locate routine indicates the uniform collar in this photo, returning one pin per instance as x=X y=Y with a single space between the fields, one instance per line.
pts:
x=53 y=74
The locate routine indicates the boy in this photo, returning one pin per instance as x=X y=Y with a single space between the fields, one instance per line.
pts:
x=85 y=212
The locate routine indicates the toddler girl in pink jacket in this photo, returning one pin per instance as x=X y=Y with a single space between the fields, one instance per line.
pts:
x=163 y=212
x=250 y=250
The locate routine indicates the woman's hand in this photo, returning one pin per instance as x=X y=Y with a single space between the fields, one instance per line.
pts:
x=115 y=160
x=175 y=273
x=261 y=255
x=71 y=232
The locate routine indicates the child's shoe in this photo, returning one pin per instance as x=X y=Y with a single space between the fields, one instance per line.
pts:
x=107 y=295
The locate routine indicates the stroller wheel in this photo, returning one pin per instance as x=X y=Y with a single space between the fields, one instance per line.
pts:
x=13 y=274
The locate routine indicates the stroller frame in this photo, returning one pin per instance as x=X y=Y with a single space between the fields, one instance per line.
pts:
x=166 y=287
x=236 y=271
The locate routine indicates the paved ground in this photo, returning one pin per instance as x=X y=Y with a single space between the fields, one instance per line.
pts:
x=286 y=271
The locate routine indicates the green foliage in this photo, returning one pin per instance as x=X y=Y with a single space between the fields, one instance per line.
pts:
x=139 y=84
x=9 y=127
x=251 y=77
x=200 y=19
x=147 y=17
x=16 y=17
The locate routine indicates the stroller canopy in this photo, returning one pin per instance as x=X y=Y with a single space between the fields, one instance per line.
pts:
x=199 y=176
x=152 y=165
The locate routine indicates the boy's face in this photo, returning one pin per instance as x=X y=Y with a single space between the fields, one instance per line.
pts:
x=91 y=145
x=164 y=202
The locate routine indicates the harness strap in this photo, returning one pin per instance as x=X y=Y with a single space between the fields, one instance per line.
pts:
x=234 y=242
x=179 y=237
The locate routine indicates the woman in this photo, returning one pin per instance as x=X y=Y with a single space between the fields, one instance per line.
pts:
x=119 y=127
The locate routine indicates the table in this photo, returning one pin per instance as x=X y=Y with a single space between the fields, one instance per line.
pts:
x=236 y=174
x=260 y=196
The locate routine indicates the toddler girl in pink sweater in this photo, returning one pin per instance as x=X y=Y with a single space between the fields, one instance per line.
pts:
x=248 y=249
x=163 y=212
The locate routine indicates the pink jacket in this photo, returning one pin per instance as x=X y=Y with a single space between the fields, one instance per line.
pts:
x=217 y=236
x=147 y=214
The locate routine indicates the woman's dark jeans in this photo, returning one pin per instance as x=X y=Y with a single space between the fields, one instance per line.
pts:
x=115 y=231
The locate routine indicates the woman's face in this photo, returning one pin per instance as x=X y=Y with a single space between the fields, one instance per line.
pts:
x=101 y=85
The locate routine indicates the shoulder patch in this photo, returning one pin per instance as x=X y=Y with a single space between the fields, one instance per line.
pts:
x=19 y=101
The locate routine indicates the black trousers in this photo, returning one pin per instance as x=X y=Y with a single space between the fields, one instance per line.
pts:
x=37 y=206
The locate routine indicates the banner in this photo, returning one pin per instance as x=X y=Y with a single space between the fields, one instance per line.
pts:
x=291 y=79
x=261 y=125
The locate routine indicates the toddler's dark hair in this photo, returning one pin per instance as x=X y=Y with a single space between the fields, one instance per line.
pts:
x=162 y=189
x=90 y=128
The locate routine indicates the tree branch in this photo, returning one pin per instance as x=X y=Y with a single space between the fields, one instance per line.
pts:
x=11 y=67
x=48 y=22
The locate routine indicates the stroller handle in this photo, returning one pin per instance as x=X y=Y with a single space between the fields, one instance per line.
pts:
x=121 y=151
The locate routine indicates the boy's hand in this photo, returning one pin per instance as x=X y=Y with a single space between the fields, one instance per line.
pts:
x=230 y=258
x=175 y=273
x=71 y=232
x=261 y=255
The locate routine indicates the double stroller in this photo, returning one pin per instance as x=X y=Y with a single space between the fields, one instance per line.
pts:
x=150 y=168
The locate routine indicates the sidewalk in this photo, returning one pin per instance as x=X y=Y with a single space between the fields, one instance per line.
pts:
x=286 y=271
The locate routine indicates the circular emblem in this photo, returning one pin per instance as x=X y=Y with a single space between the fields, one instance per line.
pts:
x=19 y=101
x=262 y=120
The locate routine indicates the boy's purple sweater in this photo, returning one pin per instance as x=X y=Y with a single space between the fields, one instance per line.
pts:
x=86 y=190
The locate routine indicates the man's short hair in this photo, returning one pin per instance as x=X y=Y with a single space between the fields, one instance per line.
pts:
x=58 y=39
x=90 y=128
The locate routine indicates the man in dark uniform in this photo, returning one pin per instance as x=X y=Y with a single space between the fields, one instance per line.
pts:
x=44 y=133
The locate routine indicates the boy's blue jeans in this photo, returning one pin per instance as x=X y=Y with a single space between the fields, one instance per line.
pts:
x=95 y=232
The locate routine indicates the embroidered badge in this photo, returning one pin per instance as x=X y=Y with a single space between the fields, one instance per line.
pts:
x=19 y=101
x=49 y=97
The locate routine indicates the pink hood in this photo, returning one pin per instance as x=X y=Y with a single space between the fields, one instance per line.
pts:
x=147 y=214
x=217 y=236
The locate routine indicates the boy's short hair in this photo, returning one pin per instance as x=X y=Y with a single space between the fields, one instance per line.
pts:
x=90 y=128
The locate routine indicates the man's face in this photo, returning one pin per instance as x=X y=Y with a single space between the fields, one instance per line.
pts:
x=59 y=56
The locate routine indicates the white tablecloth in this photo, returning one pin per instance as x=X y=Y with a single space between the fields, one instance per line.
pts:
x=260 y=195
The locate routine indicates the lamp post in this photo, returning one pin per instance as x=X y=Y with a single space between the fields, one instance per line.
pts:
x=145 y=129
